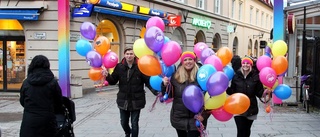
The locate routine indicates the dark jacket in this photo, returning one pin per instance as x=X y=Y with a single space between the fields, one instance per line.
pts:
x=41 y=97
x=180 y=116
x=250 y=86
x=131 y=95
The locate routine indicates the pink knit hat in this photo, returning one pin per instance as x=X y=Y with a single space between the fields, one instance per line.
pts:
x=247 y=60
x=187 y=54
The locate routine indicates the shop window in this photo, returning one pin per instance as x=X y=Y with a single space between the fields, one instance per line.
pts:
x=250 y=48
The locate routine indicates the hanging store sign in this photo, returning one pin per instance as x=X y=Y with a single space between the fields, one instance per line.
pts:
x=201 y=23
x=174 y=20
x=84 y=10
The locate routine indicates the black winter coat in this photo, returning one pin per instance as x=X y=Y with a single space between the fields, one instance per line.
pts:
x=250 y=86
x=41 y=97
x=131 y=95
x=181 y=117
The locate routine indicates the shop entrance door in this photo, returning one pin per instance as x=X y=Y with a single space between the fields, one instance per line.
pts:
x=12 y=65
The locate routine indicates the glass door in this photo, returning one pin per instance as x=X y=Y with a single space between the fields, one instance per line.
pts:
x=12 y=65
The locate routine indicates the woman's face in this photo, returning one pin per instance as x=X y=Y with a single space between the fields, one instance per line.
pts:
x=188 y=63
x=246 y=66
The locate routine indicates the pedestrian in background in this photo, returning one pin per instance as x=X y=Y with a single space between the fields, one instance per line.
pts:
x=181 y=118
x=41 y=98
x=131 y=97
x=236 y=63
x=246 y=80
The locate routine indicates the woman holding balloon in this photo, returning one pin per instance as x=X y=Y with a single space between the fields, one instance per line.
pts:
x=246 y=80
x=183 y=116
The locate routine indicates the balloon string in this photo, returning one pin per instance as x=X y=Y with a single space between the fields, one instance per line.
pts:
x=267 y=103
x=155 y=102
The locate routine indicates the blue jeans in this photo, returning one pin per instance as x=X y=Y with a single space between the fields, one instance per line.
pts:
x=124 y=118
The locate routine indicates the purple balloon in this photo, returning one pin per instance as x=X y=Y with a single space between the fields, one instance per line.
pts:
x=193 y=98
x=154 y=38
x=217 y=83
x=88 y=30
x=267 y=49
x=94 y=59
x=205 y=53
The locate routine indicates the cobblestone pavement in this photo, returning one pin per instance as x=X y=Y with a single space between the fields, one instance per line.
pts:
x=98 y=116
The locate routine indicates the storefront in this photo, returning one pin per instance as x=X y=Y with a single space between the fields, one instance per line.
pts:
x=305 y=55
x=12 y=46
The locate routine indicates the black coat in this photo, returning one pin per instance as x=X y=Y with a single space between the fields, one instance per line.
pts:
x=181 y=117
x=250 y=86
x=41 y=97
x=131 y=95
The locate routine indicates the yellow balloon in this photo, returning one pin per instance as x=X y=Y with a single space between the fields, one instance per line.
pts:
x=214 y=102
x=140 y=48
x=279 y=48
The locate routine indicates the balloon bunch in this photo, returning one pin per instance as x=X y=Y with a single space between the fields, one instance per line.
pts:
x=98 y=54
x=273 y=65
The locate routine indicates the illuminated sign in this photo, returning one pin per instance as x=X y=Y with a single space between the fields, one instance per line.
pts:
x=152 y=12
x=84 y=10
x=111 y=4
x=116 y=5
x=201 y=23
x=174 y=20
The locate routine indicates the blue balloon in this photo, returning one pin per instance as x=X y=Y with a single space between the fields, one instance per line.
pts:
x=198 y=123
x=282 y=91
x=165 y=96
x=83 y=47
x=228 y=70
x=203 y=75
x=268 y=54
x=159 y=53
x=166 y=40
x=167 y=70
x=155 y=82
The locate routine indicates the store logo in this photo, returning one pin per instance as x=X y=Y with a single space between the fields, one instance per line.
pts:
x=201 y=23
x=113 y=4
x=174 y=21
x=155 y=13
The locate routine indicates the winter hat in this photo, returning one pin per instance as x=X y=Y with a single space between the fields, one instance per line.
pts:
x=187 y=54
x=247 y=60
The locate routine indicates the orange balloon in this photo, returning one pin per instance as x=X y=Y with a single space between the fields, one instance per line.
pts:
x=268 y=109
x=149 y=65
x=225 y=54
x=95 y=74
x=102 y=45
x=279 y=64
x=237 y=103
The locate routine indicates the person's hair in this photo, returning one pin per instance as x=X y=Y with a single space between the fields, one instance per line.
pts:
x=182 y=75
x=126 y=49
x=39 y=61
x=236 y=62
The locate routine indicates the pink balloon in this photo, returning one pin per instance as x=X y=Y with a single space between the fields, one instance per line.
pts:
x=263 y=61
x=268 y=77
x=221 y=115
x=214 y=61
x=106 y=83
x=170 y=53
x=155 y=21
x=110 y=60
x=199 y=47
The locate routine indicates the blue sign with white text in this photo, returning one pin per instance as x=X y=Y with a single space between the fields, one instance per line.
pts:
x=84 y=10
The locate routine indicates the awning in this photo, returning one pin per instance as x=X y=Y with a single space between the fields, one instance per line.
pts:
x=123 y=13
x=12 y=35
x=20 y=13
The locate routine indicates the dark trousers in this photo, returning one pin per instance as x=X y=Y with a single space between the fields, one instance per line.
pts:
x=183 y=133
x=124 y=118
x=243 y=126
